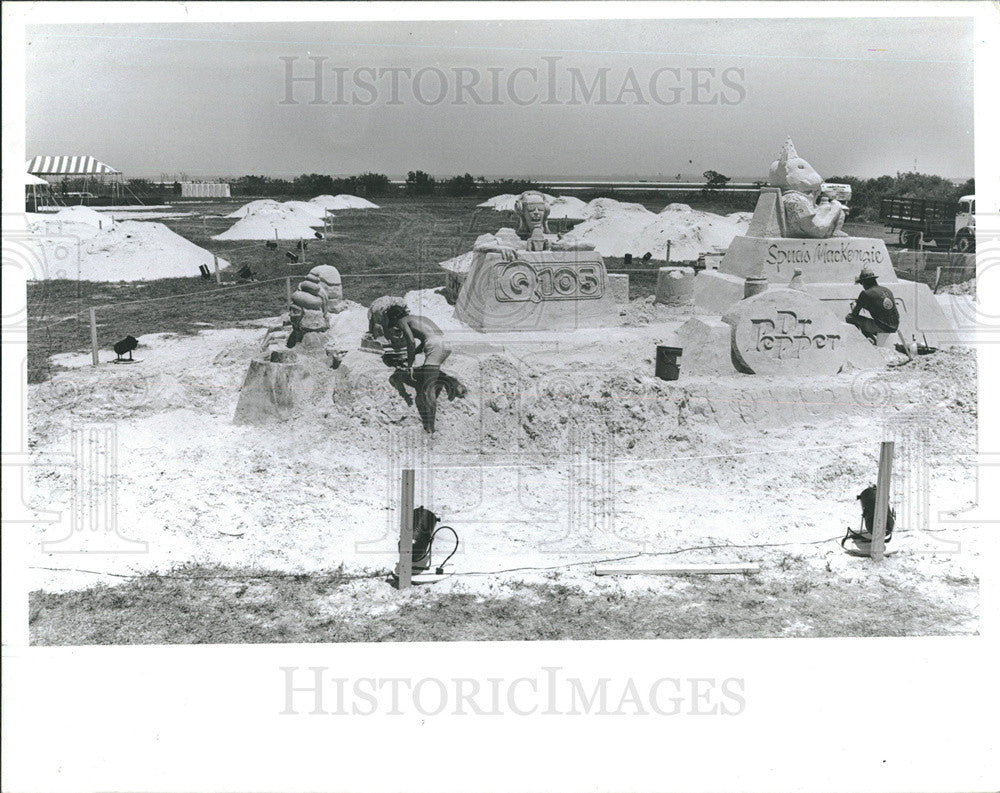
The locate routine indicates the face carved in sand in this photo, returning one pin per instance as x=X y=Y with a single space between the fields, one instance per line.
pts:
x=532 y=212
x=800 y=185
x=791 y=172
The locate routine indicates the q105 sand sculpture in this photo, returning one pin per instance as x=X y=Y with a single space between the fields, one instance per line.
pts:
x=529 y=279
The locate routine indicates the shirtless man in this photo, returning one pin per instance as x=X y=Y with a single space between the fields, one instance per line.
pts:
x=421 y=335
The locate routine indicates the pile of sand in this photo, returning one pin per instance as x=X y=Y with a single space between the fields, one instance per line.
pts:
x=82 y=214
x=119 y=214
x=616 y=228
x=342 y=201
x=505 y=202
x=131 y=251
x=270 y=226
x=300 y=211
x=263 y=204
x=131 y=212
x=308 y=207
x=270 y=220
x=568 y=208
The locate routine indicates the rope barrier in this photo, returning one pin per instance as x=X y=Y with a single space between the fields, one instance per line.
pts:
x=190 y=295
x=281 y=279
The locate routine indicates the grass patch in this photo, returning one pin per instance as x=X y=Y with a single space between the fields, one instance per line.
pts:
x=199 y=605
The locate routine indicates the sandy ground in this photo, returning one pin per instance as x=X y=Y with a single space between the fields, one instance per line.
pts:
x=566 y=451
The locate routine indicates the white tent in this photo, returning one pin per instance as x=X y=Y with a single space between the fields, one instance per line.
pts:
x=33 y=182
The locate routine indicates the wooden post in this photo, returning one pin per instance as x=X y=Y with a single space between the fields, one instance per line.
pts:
x=218 y=275
x=288 y=290
x=882 y=499
x=668 y=252
x=93 y=336
x=302 y=245
x=404 y=570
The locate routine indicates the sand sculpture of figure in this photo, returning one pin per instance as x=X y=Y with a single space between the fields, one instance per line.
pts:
x=377 y=339
x=807 y=213
x=376 y=314
x=532 y=233
x=317 y=295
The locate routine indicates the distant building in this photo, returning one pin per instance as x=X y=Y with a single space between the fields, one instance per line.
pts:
x=205 y=190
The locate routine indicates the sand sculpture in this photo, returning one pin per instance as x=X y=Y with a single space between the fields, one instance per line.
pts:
x=530 y=279
x=297 y=355
x=532 y=233
x=375 y=340
x=319 y=295
x=806 y=215
x=791 y=251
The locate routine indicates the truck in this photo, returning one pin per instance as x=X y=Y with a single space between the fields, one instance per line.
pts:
x=920 y=221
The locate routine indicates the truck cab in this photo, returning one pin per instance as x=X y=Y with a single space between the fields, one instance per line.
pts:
x=965 y=224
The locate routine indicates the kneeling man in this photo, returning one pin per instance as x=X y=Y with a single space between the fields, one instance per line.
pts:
x=880 y=303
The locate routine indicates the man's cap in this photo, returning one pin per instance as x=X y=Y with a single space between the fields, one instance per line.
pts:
x=864 y=275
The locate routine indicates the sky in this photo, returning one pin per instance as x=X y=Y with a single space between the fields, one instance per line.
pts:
x=620 y=99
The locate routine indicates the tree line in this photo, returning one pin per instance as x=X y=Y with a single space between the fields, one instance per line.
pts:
x=866 y=193
x=417 y=183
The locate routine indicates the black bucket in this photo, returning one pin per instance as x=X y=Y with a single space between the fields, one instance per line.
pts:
x=667 y=367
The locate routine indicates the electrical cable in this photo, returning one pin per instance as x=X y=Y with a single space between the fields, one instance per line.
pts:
x=440 y=568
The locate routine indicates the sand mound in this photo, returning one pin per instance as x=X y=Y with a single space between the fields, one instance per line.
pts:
x=269 y=220
x=255 y=206
x=568 y=208
x=119 y=214
x=343 y=201
x=82 y=214
x=131 y=251
x=278 y=225
x=307 y=207
x=505 y=202
x=289 y=211
x=616 y=228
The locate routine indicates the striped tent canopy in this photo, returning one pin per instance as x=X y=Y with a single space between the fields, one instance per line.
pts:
x=69 y=166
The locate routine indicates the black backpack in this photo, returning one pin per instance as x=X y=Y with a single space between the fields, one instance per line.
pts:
x=424 y=522
x=867 y=499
